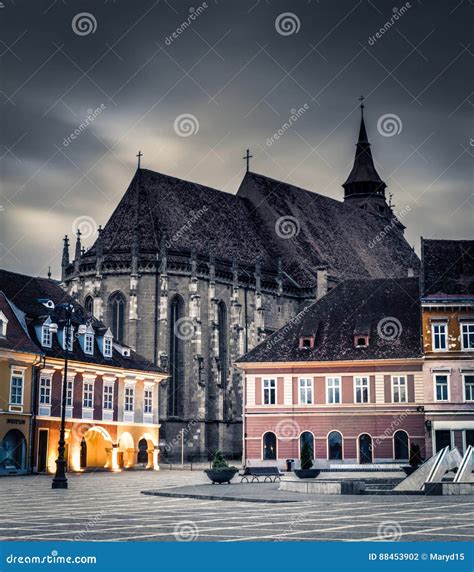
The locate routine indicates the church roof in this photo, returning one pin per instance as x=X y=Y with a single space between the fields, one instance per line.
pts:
x=447 y=267
x=250 y=227
x=392 y=320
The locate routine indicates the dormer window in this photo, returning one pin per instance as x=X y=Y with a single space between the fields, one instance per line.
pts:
x=89 y=344
x=107 y=346
x=361 y=341
x=46 y=335
x=3 y=325
x=306 y=342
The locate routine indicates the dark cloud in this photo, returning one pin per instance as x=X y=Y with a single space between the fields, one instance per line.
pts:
x=230 y=68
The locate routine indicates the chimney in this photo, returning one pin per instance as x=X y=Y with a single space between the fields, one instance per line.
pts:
x=321 y=282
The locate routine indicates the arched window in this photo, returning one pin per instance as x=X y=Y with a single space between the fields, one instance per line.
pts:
x=400 y=445
x=222 y=340
x=176 y=361
x=13 y=450
x=365 y=448
x=117 y=315
x=142 y=457
x=335 y=446
x=307 y=437
x=269 y=447
x=89 y=305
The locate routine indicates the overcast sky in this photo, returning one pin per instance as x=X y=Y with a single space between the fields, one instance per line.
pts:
x=239 y=69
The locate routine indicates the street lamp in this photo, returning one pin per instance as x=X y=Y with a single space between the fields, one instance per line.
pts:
x=60 y=480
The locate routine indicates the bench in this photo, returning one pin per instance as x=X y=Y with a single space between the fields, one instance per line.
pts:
x=255 y=473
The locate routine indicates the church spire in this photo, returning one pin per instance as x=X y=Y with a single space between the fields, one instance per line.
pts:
x=364 y=187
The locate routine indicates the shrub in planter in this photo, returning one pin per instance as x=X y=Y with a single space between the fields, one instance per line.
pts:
x=415 y=459
x=221 y=471
x=306 y=462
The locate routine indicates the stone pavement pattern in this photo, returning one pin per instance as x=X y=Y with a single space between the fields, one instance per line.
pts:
x=110 y=506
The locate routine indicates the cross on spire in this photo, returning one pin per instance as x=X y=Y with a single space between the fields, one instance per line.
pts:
x=247 y=157
x=139 y=155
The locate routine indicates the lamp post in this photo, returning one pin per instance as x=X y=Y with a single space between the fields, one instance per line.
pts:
x=60 y=480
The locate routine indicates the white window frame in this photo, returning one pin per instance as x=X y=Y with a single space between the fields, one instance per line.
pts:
x=46 y=336
x=108 y=346
x=129 y=399
x=399 y=385
x=269 y=384
x=148 y=400
x=435 y=392
x=360 y=380
x=333 y=383
x=47 y=387
x=434 y=336
x=467 y=325
x=17 y=373
x=109 y=394
x=3 y=325
x=305 y=388
x=89 y=344
x=90 y=392
x=464 y=387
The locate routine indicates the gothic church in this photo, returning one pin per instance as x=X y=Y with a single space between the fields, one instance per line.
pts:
x=192 y=278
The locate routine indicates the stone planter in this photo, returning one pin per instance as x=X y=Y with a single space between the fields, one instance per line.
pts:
x=220 y=476
x=307 y=473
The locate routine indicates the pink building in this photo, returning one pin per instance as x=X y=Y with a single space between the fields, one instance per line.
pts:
x=448 y=341
x=345 y=375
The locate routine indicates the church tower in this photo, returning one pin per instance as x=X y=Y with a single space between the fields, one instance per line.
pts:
x=364 y=188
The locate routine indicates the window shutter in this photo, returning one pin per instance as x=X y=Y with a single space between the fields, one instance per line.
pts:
x=280 y=390
x=258 y=391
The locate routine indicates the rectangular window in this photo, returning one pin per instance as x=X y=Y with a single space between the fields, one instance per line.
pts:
x=88 y=395
x=362 y=390
x=269 y=391
x=16 y=387
x=467 y=331
x=45 y=391
x=69 y=392
x=333 y=386
x=399 y=389
x=306 y=391
x=129 y=398
x=89 y=344
x=148 y=400
x=46 y=337
x=469 y=387
x=439 y=333
x=441 y=388
x=108 y=347
x=108 y=397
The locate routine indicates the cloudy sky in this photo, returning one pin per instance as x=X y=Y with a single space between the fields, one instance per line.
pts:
x=236 y=70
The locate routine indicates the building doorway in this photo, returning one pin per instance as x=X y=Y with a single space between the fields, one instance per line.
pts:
x=83 y=463
x=13 y=451
x=401 y=450
x=443 y=439
x=365 y=449
x=42 y=451
x=142 y=458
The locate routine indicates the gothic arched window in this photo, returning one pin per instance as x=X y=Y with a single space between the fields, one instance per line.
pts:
x=89 y=305
x=222 y=340
x=117 y=315
x=176 y=361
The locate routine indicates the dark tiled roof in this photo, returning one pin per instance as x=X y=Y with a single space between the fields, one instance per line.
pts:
x=16 y=338
x=447 y=267
x=391 y=306
x=158 y=208
x=24 y=292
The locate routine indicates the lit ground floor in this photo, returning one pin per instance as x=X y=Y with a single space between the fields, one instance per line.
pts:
x=351 y=438
x=107 y=506
x=92 y=446
x=14 y=443
x=449 y=430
